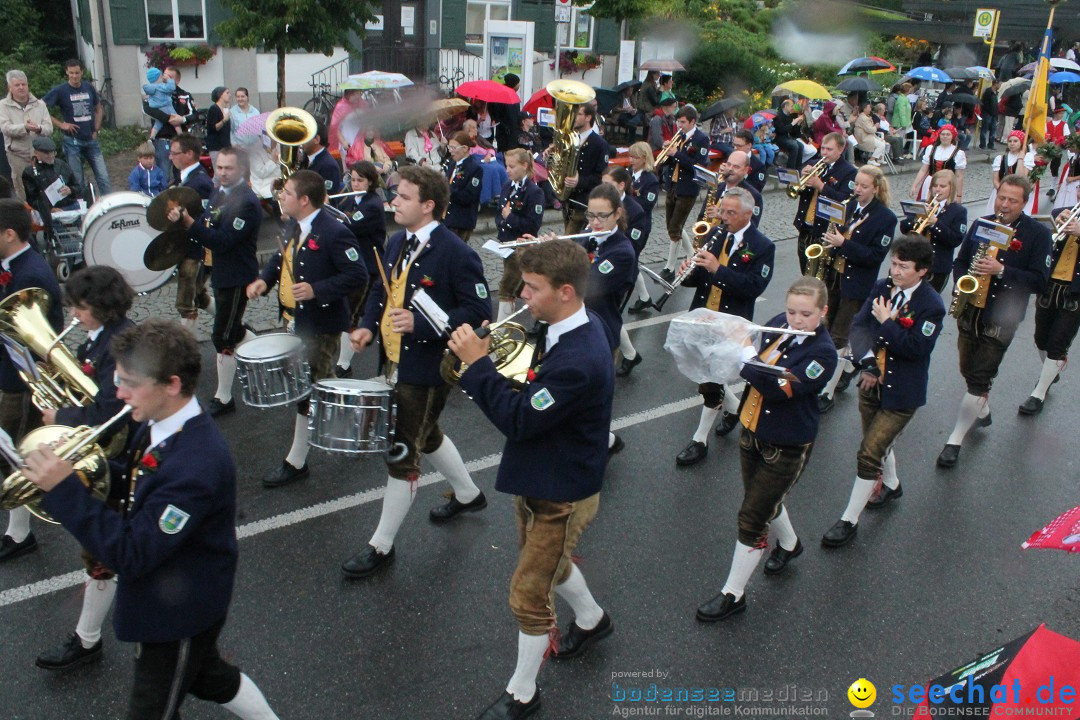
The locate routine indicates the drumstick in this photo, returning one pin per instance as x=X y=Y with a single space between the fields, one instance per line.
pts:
x=382 y=274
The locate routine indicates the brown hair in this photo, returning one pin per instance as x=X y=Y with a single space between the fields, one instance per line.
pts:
x=145 y=150
x=1018 y=181
x=835 y=138
x=562 y=262
x=102 y=289
x=242 y=160
x=463 y=138
x=366 y=169
x=603 y=191
x=189 y=144
x=914 y=248
x=309 y=184
x=431 y=185
x=159 y=349
x=811 y=287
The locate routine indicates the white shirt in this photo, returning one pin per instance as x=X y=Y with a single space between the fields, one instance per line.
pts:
x=738 y=241
x=7 y=261
x=187 y=171
x=93 y=334
x=161 y=430
x=305 y=225
x=749 y=352
x=557 y=330
x=422 y=236
x=311 y=158
x=1012 y=160
x=584 y=135
x=944 y=152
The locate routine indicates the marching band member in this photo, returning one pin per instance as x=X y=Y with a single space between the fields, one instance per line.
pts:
x=733 y=268
x=780 y=422
x=1016 y=160
x=554 y=459
x=174 y=546
x=100 y=298
x=942 y=154
x=638 y=225
x=732 y=175
x=858 y=252
x=191 y=295
x=836 y=183
x=985 y=333
x=613 y=264
x=1057 y=313
x=21 y=267
x=229 y=228
x=319 y=267
x=320 y=160
x=646 y=188
x=367 y=220
x=425 y=255
x=893 y=335
x=592 y=160
x=521 y=213
x=466 y=179
x=683 y=191
x=755 y=175
x=945 y=229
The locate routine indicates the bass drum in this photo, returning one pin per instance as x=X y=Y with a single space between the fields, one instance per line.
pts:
x=115 y=233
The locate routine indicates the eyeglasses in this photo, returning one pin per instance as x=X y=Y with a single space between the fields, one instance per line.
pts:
x=599 y=216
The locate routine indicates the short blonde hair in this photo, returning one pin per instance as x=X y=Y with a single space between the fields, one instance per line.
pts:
x=145 y=150
x=644 y=150
x=946 y=175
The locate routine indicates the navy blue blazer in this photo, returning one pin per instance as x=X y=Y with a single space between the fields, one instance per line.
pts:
x=557 y=426
x=693 y=152
x=526 y=211
x=1027 y=271
x=757 y=174
x=325 y=164
x=229 y=227
x=865 y=249
x=201 y=183
x=907 y=350
x=759 y=202
x=367 y=220
x=464 y=193
x=945 y=235
x=839 y=182
x=1074 y=286
x=451 y=273
x=592 y=162
x=646 y=192
x=30 y=270
x=611 y=276
x=742 y=282
x=789 y=413
x=329 y=259
x=175 y=548
x=105 y=404
x=638 y=224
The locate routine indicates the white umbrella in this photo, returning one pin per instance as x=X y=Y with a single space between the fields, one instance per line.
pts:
x=1064 y=64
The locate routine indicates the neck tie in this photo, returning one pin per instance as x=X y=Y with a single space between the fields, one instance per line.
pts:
x=898 y=302
x=406 y=256
x=541 y=344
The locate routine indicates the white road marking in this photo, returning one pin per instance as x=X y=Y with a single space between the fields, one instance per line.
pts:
x=277 y=522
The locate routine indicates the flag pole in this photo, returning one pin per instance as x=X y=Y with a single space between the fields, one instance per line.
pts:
x=1045 y=50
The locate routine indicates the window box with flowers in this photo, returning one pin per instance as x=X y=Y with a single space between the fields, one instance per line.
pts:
x=573 y=61
x=165 y=54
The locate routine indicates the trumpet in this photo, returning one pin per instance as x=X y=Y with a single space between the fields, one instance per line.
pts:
x=972 y=288
x=509 y=344
x=674 y=145
x=817 y=170
x=923 y=221
x=1060 y=235
x=537 y=240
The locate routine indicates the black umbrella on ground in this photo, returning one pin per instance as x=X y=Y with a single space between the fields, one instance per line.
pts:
x=721 y=106
x=858 y=84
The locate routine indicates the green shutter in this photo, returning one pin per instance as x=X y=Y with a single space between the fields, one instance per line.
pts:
x=542 y=14
x=85 y=27
x=215 y=14
x=128 y=22
x=453 y=24
x=607 y=37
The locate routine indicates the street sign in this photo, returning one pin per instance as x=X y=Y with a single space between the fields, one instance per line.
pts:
x=562 y=11
x=984 y=22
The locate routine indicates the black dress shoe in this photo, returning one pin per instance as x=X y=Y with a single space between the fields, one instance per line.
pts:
x=839 y=534
x=884 y=496
x=667 y=274
x=69 y=654
x=721 y=607
x=728 y=422
x=692 y=454
x=639 y=307
x=949 y=456
x=985 y=422
x=778 y=558
x=343 y=372
x=616 y=446
x=1031 y=406
x=575 y=640
x=845 y=379
x=825 y=403
x=366 y=562
x=284 y=475
x=627 y=366
x=453 y=507
x=507 y=708
x=218 y=408
x=9 y=549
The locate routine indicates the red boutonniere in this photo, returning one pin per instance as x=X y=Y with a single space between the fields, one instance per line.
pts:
x=5 y=278
x=745 y=257
x=531 y=375
x=88 y=369
x=592 y=257
x=149 y=462
x=1015 y=245
x=313 y=243
x=426 y=281
x=906 y=321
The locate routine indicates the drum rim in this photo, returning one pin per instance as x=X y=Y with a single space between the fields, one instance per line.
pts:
x=352 y=384
x=292 y=340
x=98 y=211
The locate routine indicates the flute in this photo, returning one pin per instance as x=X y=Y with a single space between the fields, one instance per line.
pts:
x=537 y=241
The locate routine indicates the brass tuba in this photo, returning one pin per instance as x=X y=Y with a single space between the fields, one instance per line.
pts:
x=291 y=128
x=566 y=147
x=62 y=383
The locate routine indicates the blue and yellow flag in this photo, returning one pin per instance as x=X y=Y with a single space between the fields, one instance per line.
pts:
x=1035 y=112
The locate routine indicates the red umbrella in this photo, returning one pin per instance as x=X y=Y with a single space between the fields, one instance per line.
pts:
x=540 y=99
x=758 y=119
x=488 y=91
x=1063 y=533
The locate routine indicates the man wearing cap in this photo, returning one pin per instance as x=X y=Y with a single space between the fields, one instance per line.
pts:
x=23 y=118
x=662 y=125
x=43 y=171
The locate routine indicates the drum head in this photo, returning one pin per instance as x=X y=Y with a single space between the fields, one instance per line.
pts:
x=349 y=386
x=115 y=233
x=266 y=347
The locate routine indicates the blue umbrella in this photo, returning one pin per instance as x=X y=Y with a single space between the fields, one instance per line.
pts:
x=1063 y=77
x=931 y=74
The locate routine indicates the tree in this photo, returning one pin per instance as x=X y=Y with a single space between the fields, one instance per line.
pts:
x=285 y=26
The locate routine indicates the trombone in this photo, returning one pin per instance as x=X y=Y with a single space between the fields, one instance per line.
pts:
x=817 y=170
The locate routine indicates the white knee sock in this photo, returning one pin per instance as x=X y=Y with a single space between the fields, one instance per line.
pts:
x=970 y=408
x=575 y=591
x=841 y=366
x=642 y=291
x=211 y=306
x=1050 y=370
x=297 y=456
x=226 y=371
x=860 y=495
x=97 y=599
x=743 y=563
x=249 y=703
x=888 y=470
x=672 y=256
x=447 y=461
x=189 y=323
x=732 y=396
x=687 y=246
x=610 y=439
x=18 y=524
x=395 y=506
x=531 y=649
x=625 y=346
x=506 y=309
x=345 y=354
x=1042 y=355
x=781 y=527
x=705 y=424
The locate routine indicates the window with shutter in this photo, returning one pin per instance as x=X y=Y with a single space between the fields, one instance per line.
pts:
x=128 y=21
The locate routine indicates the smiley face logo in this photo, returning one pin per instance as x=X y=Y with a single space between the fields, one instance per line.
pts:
x=862 y=693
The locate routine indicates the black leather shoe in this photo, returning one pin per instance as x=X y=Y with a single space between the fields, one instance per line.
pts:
x=9 y=549
x=284 y=475
x=667 y=274
x=343 y=372
x=839 y=534
x=721 y=607
x=507 y=708
x=365 y=562
x=949 y=456
x=639 y=307
x=575 y=640
x=616 y=446
x=453 y=508
x=728 y=422
x=69 y=654
x=825 y=403
x=845 y=379
x=884 y=496
x=627 y=366
x=692 y=454
x=1031 y=406
x=218 y=408
x=985 y=422
x=778 y=558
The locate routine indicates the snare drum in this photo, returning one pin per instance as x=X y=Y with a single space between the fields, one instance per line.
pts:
x=273 y=370
x=115 y=233
x=350 y=416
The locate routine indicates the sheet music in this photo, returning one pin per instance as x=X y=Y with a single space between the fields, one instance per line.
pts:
x=495 y=247
x=21 y=356
x=431 y=312
x=8 y=450
x=53 y=191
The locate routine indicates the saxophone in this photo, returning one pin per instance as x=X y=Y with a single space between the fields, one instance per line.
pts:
x=566 y=147
x=820 y=258
x=972 y=288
